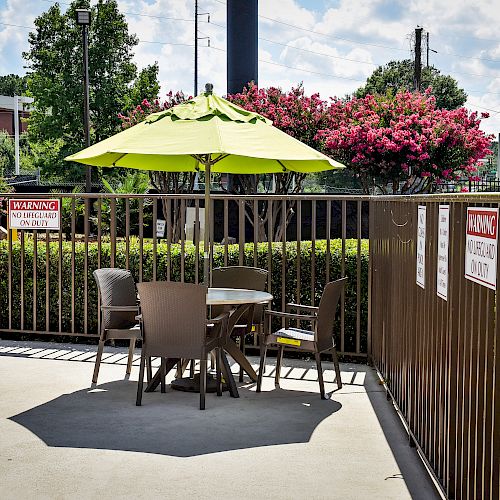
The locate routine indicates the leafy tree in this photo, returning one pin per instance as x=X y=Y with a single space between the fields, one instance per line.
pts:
x=398 y=75
x=404 y=142
x=55 y=77
x=12 y=85
x=296 y=114
x=163 y=182
x=146 y=86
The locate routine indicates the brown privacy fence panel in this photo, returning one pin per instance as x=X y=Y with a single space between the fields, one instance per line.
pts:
x=438 y=358
x=46 y=283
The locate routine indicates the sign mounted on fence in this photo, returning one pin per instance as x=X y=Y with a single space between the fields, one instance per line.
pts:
x=443 y=245
x=34 y=214
x=422 y=215
x=481 y=239
x=160 y=228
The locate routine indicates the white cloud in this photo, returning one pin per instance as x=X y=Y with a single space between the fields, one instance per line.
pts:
x=381 y=29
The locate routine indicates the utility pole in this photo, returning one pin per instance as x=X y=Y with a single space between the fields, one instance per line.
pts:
x=196 y=38
x=195 y=48
x=418 y=58
x=427 y=39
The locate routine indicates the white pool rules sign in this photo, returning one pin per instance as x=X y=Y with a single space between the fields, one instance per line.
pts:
x=421 y=228
x=481 y=246
x=443 y=245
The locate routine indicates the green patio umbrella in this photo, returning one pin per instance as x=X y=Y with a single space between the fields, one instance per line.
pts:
x=207 y=134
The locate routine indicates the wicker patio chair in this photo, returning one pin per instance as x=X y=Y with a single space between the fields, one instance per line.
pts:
x=250 y=278
x=119 y=309
x=174 y=325
x=317 y=340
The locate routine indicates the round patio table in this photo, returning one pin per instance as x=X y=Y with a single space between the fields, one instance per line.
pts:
x=240 y=301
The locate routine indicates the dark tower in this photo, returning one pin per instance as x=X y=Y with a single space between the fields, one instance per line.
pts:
x=242 y=45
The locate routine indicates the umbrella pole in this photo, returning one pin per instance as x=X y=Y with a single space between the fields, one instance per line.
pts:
x=206 y=244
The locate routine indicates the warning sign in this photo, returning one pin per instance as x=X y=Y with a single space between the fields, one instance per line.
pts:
x=481 y=246
x=34 y=214
x=421 y=228
x=443 y=244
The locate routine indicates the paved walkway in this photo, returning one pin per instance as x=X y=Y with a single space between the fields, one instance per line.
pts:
x=62 y=440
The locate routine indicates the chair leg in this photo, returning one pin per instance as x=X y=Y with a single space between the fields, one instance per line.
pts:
x=149 y=368
x=130 y=356
x=263 y=351
x=242 y=348
x=140 y=382
x=317 y=355
x=218 y=363
x=100 y=348
x=203 y=381
x=279 y=360
x=163 y=374
x=337 y=367
x=191 y=368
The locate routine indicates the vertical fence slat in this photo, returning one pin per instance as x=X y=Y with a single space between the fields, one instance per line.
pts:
x=342 y=275
x=226 y=230
x=197 y=237
x=299 y=247
x=328 y=239
x=358 y=280
x=73 y=285
x=47 y=281
x=34 y=291
x=127 y=233
x=21 y=275
x=270 y=237
x=255 y=230
x=112 y=230
x=155 y=238
x=59 y=277
x=9 y=270
x=183 y=238
x=86 y=264
x=241 y=231
x=283 y=260
x=313 y=252
x=169 y=238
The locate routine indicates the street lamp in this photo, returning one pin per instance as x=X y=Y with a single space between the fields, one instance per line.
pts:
x=83 y=20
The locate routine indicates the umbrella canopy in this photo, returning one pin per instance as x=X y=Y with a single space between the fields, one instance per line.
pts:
x=239 y=142
x=207 y=134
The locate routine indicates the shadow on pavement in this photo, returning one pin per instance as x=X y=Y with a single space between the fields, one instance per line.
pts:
x=171 y=424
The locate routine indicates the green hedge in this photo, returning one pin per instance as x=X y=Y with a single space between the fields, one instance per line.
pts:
x=162 y=259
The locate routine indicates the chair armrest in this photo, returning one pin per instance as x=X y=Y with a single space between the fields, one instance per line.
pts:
x=301 y=307
x=120 y=308
x=218 y=319
x=278 y=314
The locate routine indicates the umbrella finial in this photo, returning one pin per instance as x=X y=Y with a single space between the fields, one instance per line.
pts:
x=209 y=88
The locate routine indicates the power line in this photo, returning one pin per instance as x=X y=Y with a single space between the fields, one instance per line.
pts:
x=151 y=16
x=324 y=34
x=300 y=69
x=318 y=53
x=140 y=41
x=487 y=109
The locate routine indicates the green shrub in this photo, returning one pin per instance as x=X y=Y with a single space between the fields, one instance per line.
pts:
x=175 y=270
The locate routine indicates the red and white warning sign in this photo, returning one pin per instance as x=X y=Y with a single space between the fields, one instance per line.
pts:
x=34 y=214
x=481 y=246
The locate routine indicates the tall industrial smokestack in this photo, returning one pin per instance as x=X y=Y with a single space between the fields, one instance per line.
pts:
x=242 y=45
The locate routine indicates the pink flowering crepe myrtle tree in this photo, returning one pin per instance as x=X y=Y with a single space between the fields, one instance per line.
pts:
x=296 y=114
x=163 y=182
x=404 y=144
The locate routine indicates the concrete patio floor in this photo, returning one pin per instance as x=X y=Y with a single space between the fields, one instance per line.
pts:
x=59 y=439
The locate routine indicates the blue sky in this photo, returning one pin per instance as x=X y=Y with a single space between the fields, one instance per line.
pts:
x=329 y=45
